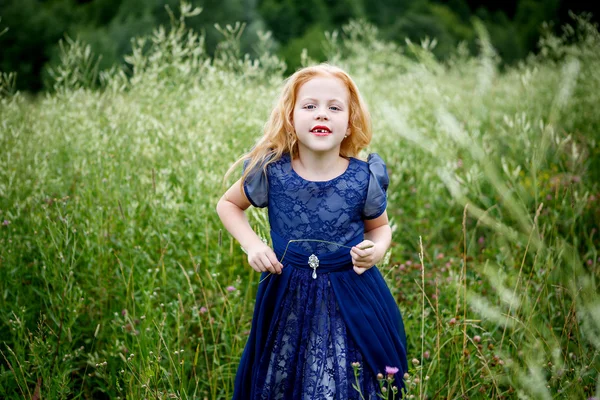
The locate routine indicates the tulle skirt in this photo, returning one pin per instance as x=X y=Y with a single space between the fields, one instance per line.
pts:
x=307 y=332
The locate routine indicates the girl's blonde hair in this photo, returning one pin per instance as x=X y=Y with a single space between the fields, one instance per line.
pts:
x=279 y=135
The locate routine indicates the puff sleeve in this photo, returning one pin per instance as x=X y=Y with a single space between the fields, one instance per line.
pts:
x=376 y=201
x=256 y=185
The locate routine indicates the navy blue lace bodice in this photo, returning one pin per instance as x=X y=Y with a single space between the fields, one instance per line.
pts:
x=331 y=210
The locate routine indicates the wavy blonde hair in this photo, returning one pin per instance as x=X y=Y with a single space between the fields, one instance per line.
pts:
x=279 y=136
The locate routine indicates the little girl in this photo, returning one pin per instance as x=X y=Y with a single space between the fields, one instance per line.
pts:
x=322 y=305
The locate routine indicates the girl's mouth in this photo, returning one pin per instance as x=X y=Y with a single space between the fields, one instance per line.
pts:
x=321 y=131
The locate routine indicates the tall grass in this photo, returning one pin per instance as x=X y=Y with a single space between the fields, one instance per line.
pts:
x=117 y=280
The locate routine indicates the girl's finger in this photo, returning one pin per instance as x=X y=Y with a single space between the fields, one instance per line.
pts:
x=272 y=265
x=359 y=270
x=365 y=244
x=363 y=253
x=359 y=252
x=258 y=268
x=267 y=263
x=260 y=264
x=274 y=262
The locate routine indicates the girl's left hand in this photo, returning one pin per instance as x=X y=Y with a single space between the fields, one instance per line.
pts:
x=363 y=256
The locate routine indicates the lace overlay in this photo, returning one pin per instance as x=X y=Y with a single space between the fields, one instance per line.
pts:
x=308 y=352
x=309 y=355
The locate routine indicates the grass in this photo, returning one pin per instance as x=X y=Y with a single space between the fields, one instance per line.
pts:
x=117 y=280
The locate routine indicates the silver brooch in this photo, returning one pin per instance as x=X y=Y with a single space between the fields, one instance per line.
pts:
x=313 y=262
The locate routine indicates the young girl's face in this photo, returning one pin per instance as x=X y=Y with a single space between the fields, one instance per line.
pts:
x=321 y=115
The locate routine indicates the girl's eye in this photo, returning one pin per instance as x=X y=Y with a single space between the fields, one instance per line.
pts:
x=312 y=107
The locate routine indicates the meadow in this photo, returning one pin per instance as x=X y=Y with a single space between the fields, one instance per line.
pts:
x=117 y=279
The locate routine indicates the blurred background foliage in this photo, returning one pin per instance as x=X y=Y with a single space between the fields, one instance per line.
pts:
x=35 y=27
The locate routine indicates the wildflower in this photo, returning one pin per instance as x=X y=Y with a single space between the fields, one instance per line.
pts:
x=380 y=376
x=452 y=321
x=481 y=240
x=426 y=355
x=6 y=222
x=589 y=262
x=415 y=362
x=355 y=364
x=123 y=312
x=230 y=288
x=406 y=375
x=391 y=370
x=440 y=256
x=203 y=310
x=477 y=338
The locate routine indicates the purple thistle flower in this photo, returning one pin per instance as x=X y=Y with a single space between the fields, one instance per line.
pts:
x=230 y=288
x=203 y=310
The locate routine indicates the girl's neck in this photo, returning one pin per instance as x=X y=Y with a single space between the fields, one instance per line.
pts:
x=319 y=166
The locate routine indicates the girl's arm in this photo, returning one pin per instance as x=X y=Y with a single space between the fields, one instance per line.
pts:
x=230 y=209
x=378 y=234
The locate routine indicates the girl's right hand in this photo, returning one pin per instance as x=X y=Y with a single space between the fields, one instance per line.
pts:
x=263 y=259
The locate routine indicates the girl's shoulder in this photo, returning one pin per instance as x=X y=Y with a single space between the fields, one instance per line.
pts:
x=265 y=163
x=377 y=171
x=374 y=164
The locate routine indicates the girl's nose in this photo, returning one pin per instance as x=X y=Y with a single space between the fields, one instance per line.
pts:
x=322 y=114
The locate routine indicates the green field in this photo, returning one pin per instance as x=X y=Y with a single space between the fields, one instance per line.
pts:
x=117 y=279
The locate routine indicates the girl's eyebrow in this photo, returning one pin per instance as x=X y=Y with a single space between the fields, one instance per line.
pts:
x=330 y=100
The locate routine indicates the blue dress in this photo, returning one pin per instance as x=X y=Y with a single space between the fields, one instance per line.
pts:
x=318 y=317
